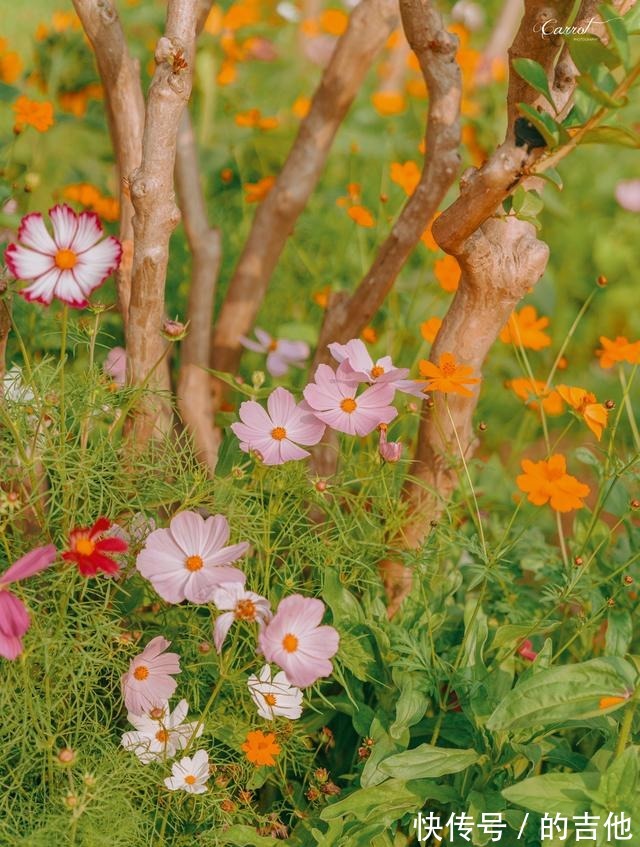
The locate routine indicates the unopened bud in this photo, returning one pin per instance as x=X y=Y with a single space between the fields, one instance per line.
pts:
x=635 y=504
x=321 y=485
x=578 y=561
x=611 y=602
x=384 y=198
x=602 y=281
x=257 y=379
x=204 y=647
x=482 y=426
x=89 y=780
x=66 y=755
x=226 y=175
x=71 y=801
x=174 y=330
x=609 y=404
x=228 y=805
x=628 y=580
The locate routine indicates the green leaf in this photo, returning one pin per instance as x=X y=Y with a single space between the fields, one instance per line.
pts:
x=387 y=803
x=587 y=84
x=565 y=794
x=564 y=693
x=411 y=704
x=617 y=30
x=8 y=92
x=589 y=53
x=246 y=836
x=533 y=73
x=619 y=632
x=427 y=761
x=344 y=606
x=611 y=135
x=544 y=123
x=383 y=748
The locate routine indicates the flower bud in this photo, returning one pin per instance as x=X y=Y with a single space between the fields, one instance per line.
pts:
x=257 y=379
x=174 y=330
x=602 y=281
x=628 y=580
x=578 y=561
x=390 y=451
x=609 y=404
x=66 y=755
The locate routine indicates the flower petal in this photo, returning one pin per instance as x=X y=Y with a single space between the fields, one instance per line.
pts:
x=89 y=231
x=34 y=234
x=27 y=264
x=65 y=225
x=95 y=264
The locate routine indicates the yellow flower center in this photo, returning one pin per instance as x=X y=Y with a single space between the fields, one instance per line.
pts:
x=377 y=371
x=270 y=699
x=190 y=779
x=245 y=610
x=348 y=405
x=290 y=643
x=193 y=563
x=156 y=713
x=273 y=346
x=448 y=368
x=85 y=546
x=141 y=672
x=66 y=259
x=279 y=433
x=162 y=735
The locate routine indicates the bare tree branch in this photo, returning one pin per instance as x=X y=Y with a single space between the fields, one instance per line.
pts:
x=120 y=77
x=500 y=40
x=156 y=215
x=194 y=384
x=435 y=49
x=369 y=26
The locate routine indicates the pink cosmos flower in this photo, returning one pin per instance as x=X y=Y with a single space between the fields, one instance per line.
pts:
x=238 y=604
x=296 y=642
x=148 y=683
x=190 y=559
x=332 y=398
x=280 y=352
x=14 y=618
x=628 y=194
x=274 y=433
x=364 y=369
x=68 y=266
x=390 y=451
x=115 y=365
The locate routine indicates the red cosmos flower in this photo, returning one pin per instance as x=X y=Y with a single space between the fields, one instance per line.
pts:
x=87 y=548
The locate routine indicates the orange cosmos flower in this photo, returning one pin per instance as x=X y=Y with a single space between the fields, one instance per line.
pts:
x=227 y=73
x=527 y=389
x=584 y=402
x=31 y=113
x=260 y=747
x=369 y=335
x=430 y=328
x=407 y=176
x=547 y=481
x=301 y=107
x=240 y=15
x=361 y=216
x=387 y=103
x=525 y=328
x=255 y=192
x=417 y=88
x=10 y=63
x=447 y=272
x=321 y=298
x=448 y=376
x=253 y=118
x=620 y=350
x=334 y=21
x=427 y=236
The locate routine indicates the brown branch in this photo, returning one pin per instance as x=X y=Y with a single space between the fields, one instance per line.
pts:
x=435 y=49
x=156 y=215
x=120 y=77
x=369 y=26
x=194 y=385
x=500 y=40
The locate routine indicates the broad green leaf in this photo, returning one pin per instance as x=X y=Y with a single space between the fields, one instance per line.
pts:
x=527 y=204
x=586 y=84
x=344 y=606
x=512 y=633
x=617 y=135
x=619 y=783
x=411 y=704
x=533 y=73
x=564 y=693
x=617 y=30
x=566 y=794
x=619 y=632
x=8 y=92
x=386 y=803
x=427 y=761
x=384 y=746
x=589 y=53
x=546 y=126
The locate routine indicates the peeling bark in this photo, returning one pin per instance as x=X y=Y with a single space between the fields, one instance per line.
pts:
x=120 y=75
x=156 y=216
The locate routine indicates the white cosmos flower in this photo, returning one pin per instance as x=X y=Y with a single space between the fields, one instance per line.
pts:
x=13 y=388
x=238 y=604
x=161 y=733
x=275 y=697
x=68 y=266
x=190 y=774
